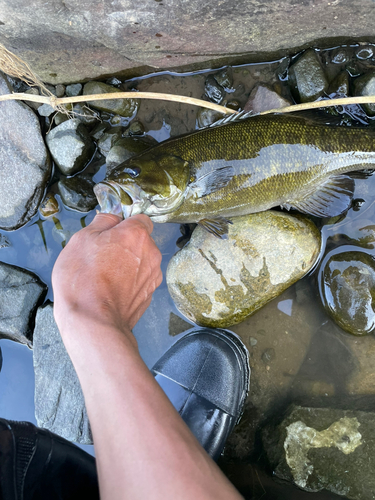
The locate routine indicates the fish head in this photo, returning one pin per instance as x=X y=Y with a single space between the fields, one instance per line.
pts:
x=151 y=184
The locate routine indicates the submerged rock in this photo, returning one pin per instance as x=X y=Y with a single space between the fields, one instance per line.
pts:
x=59 y=402
x=213 y=90
x=108 y=138
x=77 y=193
x=347 y=290
x=268 y=252
x=319 y=448
x=364 y=86
x=20 y=293
x=263 y=98
x=122 y=107
x=49 y=205
x=71 y=146
x=24 y=162
x=307 y=78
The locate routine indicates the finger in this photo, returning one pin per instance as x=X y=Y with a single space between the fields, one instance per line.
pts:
x=103 y=222
x=139 y=219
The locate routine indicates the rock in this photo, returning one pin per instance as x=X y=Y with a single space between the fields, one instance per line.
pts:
x=347 y=287
x=263 y=98
x=225 y=79
x=86 y=115
x=126 y=147
x=363 y=86
x=364 y=53
x=59 y=402
x=73 y=90
x=60 y=90
x=136 y=128
x=99 y=130
x=31 y=104
x=319 y=448
x=71 y=146
x=339 y=56
x=20 y=293
x=307 y=78
x=49 y=206
x=213 y=90
x=340 y=85
x=207 y=117
x=24 y=162
x=269 y=251
x=122 y=107
x=46 y=110
x=108 y=139
x=77 y=193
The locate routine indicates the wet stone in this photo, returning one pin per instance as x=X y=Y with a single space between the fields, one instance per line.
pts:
x=213 y=90
x=59 y=402
x=324 y=448
x=364 y=86
x=99 y=130
x=340 y=85
x=77 y=193
x=125 y=148
x=348 y=288
x=207 y=117
x=122 y=107
x=339 y=56
x=108 y=139
x=136 y=128
x=263 y=98
x=212 y=290
x=86 y=115
x=49 y=206
x=225 y=79
x=364 y=53
x=71 y=146
x=73 y=90
x=307 y=78
x=20 y=293
x=24 y=162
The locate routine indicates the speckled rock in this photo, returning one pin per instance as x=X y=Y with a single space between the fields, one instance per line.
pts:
x=363 y=86
x=319 y=448
x=77 y=193
x=20 y=293
x=71 y=146
x=268 y=252
x=122 y=107
x=59 y=403
x=307 y=78
x=24 y=162
x=347 y=283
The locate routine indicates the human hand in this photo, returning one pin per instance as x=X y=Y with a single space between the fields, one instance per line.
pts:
x=107 y=273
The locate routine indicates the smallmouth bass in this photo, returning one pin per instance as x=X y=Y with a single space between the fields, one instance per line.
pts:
x=245 y=166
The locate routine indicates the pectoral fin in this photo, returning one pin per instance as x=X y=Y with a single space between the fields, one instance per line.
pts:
x=213 y=181
x=218 y=226
x=330 y=199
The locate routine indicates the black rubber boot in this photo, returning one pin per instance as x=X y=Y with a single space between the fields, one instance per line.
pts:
x=36 y=464
x=206 y=376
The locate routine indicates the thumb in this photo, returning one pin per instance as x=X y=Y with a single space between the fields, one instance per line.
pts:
x=103 y=222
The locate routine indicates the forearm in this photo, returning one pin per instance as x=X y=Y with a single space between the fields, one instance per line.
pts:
x=143 y=447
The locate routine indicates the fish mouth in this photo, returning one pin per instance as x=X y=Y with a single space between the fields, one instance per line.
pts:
x=123 y=201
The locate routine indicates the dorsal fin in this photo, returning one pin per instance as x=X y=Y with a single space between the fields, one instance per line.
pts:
x=242 y=115
x=332 y=198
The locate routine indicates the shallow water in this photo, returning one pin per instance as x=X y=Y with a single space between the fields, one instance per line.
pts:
x=297 y=353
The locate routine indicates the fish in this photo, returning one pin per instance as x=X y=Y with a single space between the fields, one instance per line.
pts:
x=242 y=166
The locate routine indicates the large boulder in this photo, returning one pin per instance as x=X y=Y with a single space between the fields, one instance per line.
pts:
x=24 y=162
x=219 y=282
x=79 y=40
x=59 y=402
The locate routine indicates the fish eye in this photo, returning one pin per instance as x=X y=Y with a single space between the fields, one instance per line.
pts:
x=133 y=171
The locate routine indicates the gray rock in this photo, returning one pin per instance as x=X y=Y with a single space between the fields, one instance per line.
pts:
x=319 y=448
x=59 y=402
x=20 y=293
x=77 y=193
x=122 y=107
x=269 y=252
x=31 y=104
x=363 y=86
x=46 y=110
x=71 y=146
x=108 y=139
x=24 y=162
x=347 y=286
x=263 y=98
x=74 y=89
x=126 y=147
x=307 y=78
x=60 y=90
x=81 y=40
x=86 y=115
